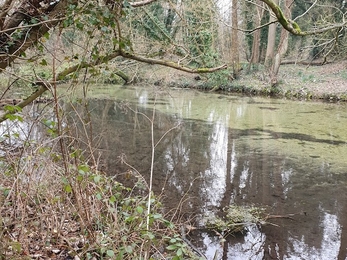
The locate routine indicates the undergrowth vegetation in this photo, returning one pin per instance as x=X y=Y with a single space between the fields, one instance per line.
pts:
x=56 y=204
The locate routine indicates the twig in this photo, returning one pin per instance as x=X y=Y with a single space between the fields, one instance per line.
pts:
x=296 y=18
x=168 y=131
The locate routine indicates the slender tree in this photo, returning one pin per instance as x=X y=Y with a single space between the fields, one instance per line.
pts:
x=235 y=59
x=283 y=44
x=271 y=40
x=255 y=51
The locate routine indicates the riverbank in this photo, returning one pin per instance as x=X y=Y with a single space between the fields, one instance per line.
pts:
x=327 y=82
x=76 y=211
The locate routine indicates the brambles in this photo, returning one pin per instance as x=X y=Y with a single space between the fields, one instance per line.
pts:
x=56 y=205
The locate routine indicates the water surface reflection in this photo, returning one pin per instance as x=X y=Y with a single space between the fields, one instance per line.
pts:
x=287 y=156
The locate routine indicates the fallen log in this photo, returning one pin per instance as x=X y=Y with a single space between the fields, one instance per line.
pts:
x=306 y=62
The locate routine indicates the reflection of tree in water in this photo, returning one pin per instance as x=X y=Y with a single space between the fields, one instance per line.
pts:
x=217 y=166
x=343 y=221
x=276 y=181
x=182 y=160
x=125 y=134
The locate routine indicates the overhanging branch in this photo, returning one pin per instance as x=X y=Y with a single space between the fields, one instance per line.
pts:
x=171 y=64
x=49 y=22
x=257 y=28
x=60 y=76
x=83 y=65
x=292 y=26
x=25 y=102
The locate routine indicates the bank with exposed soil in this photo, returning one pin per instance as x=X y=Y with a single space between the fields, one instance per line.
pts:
x=327 y=82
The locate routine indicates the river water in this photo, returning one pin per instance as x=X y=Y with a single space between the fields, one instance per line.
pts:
x=217 y=150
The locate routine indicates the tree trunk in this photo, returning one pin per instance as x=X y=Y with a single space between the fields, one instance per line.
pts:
x=283 y=45
x=271 y=39
x=255 y=56
x=235 y=59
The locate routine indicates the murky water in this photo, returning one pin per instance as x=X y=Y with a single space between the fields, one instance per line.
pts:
x=287 y=156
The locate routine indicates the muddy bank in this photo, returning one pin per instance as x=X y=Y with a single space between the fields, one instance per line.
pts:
x=327 y=82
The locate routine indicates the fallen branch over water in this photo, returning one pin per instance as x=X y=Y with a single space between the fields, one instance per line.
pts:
x=238 y=218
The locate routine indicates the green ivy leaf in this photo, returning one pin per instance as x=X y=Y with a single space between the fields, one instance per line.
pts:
x=139 y=209
x=12 y=117
x=110 y=253
x=171 y=247
x=43 y=62
x=12 y=108
x=179 y=252
x=83 y=169
x=128 y=249
x=46 y=35
x=68 y=188
x=112 y=199
x=98 y=196
x=97 y=178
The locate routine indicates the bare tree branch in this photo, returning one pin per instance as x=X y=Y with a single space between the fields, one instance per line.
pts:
x=296 y=18
x=171 y=64
x=44 y=86
x=292 y=26
x=25 y=102
x=257 y=28
x=83 y=65
x=32 y=25
x=141 y=3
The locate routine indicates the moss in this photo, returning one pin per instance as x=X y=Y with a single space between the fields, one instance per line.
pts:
x=309 y=95
x=296 y=27
x=280 y=16
x=236 y=219
x=288 y=94
x=203 y=70
x=343 y=97
x=288 y=24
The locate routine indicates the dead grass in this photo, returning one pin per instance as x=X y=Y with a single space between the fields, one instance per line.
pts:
x=59 y=206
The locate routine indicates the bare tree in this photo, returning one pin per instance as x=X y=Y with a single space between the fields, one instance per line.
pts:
x=271 y=39
x=255 y=52
x=235 y=59
x=283 y=44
